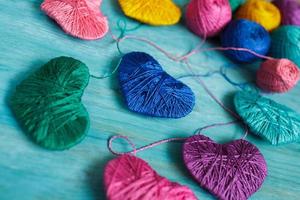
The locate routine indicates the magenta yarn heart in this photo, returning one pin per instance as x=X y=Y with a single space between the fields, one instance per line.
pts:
x=130 y=178
x=79 y=18
x=232 y=171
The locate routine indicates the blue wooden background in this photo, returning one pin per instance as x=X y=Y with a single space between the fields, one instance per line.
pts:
x=28 y=39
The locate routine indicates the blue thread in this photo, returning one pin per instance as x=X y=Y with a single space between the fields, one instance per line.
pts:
x=149 y=90
x=245 y=34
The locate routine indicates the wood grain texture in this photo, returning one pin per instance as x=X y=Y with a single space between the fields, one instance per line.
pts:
x=29 y=39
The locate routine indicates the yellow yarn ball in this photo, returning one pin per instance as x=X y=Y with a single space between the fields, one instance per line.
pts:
x=262 y=12
x=153 y=12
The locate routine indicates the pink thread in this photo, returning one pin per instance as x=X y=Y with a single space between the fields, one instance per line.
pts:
x=277 y=75
x=136 y=150
x=211 y=94
x=195 y=50
x=79 y=18
x=208 y=17
x=130 y=178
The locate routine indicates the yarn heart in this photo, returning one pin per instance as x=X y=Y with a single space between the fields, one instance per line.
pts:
x=79 y=18
x=232 y=171
x=151 y=91
x=130 y=178
x=270 y=120
x=48 y=104
x=153 y=12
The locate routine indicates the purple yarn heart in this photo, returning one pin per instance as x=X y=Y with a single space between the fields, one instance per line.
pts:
x=232 y=171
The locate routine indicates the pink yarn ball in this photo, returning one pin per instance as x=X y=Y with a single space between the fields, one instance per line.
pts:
x=277 y=75
x=207 y=18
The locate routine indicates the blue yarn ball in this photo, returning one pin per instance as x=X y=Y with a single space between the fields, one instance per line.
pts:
x=247 y=34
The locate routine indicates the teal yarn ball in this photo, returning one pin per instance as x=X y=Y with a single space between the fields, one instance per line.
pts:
x=235 y=4
x=268 y=119
x=286 y=43
x=47 y=104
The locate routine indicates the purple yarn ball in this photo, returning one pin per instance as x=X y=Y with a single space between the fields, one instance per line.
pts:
x=290 y=11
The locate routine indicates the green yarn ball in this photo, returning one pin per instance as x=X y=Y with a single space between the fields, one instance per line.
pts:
x=48 y=105
x=235 y=4
x=286 y=43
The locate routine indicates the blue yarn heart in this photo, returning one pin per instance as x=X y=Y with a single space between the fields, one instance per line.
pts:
x=149 y=90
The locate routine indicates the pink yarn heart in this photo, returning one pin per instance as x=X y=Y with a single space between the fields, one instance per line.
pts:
x=232 y=171
x=130 y=178
x=79 y=18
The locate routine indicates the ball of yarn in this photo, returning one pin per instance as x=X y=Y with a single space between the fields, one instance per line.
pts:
x=153 y=12
x=235 y=4
x=262 y=12
x=290 y=11
x=130 y=178
x=286 y=43
x=207 y=18
x=48 y=104
x=246 y=34
x=277 y=75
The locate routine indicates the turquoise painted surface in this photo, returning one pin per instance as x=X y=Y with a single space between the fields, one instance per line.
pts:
x=28 y=39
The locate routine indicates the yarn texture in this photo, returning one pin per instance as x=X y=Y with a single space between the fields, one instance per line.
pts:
x=246 y=34
x=207 y=18
x=262 y=12
x=79 y=18
x=270 y=120
x=130 y=178
x=48 y=104
x=290 y=11
x=232 y=171
x=277 y=75
x=285 y=43
x=149 y=90
x=153 y=12
x=235 y=4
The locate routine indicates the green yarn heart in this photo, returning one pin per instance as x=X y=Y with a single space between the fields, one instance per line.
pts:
x=268 y=119
x=48 y=104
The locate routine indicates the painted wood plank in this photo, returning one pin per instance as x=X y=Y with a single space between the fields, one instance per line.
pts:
x=28 y=39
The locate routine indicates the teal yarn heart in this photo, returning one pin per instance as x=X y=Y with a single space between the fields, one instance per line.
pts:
x=149 y=90
x=270 y=120
x=47 y=104
x=286 y=43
